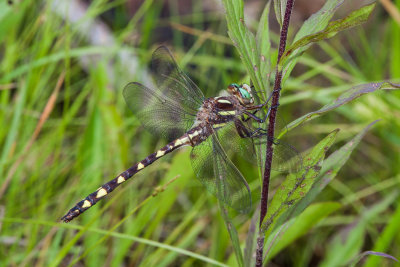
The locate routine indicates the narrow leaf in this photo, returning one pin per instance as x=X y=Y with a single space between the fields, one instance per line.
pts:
x=354 y=19
x=317 y=22
x=232 y=233
x=385 y=239
x=280 y=7
x=375 y=253
x=330 y=168
x=348 y=242
x=251 y=239
x=264 y=47
x=344 y=98
x=297 y=185
x=245 y=42
x=300 y=225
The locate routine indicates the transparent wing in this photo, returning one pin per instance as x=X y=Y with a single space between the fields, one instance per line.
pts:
x=286 y=158
x=172 y=81
x=218 y=174
x=232 y=142
x=169 y=110
x=157 y=113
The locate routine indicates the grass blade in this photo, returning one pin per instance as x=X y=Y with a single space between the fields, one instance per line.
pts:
x=302 y=224
x=251 y=239
x=330 y=167
x=386 y=239
x=317 y=22
x=354 y=19
x=245 y=42
x=297 y=185
x=232 y=233
x=264 y=46
x=344 y=98
x=347 y=244
x=279 y=7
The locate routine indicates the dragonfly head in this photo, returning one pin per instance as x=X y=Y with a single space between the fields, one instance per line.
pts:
x=242 y=93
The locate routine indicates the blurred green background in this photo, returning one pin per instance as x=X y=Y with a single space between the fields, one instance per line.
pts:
x=66 y=130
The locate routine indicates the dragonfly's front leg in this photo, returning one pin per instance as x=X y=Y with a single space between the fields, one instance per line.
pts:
x=258 y=119
x=258 y=133
x=244 y=132
x=248 y=118
x=266 y=102
x=241 y=129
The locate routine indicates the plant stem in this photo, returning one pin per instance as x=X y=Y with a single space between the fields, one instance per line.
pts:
x=271 y=131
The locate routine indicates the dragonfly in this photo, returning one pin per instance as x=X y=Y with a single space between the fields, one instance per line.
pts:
x=178 y=110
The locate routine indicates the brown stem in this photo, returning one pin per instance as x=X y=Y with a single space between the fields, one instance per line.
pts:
x=271 y=131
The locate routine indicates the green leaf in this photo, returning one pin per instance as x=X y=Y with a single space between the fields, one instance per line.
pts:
x=348 y=242
x=232 y=232
x=297 y=185
x=344 y=98
x=354 y=19
x=13 y=126
x=380 y=255
x=264 y=47
x=330 y=168
x=385 y=239
x=251 y=239
x=280 y=8
x=245 y=43
x=302 y=224
x=317 y=22
x=122 y=236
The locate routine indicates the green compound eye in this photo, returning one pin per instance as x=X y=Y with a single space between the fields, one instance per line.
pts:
x=244 y=93
x=234 y=85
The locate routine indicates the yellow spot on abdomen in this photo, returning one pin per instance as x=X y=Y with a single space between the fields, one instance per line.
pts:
x=101 y=193
x=140 y=166
x=160 y=153
x=227 y=113
x=196 y=133
x=120 y=179
x=224 y=101
x=219 y=125
x=86 y=204
x=181 y=141
x=178 y=142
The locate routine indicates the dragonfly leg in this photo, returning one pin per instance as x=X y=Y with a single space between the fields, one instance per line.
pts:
x=258 y=132
x=241 y=129
x=258 y=119
x=254 y=117
x=254 y=113
x=266 y=102
x=244 y=132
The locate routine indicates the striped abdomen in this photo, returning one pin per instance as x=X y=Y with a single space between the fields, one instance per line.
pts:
x=93 y=198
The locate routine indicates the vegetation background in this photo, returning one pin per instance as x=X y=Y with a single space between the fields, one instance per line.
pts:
x=66 y=130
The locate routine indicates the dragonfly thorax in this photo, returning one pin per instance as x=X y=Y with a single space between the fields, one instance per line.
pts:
x=216 y=112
